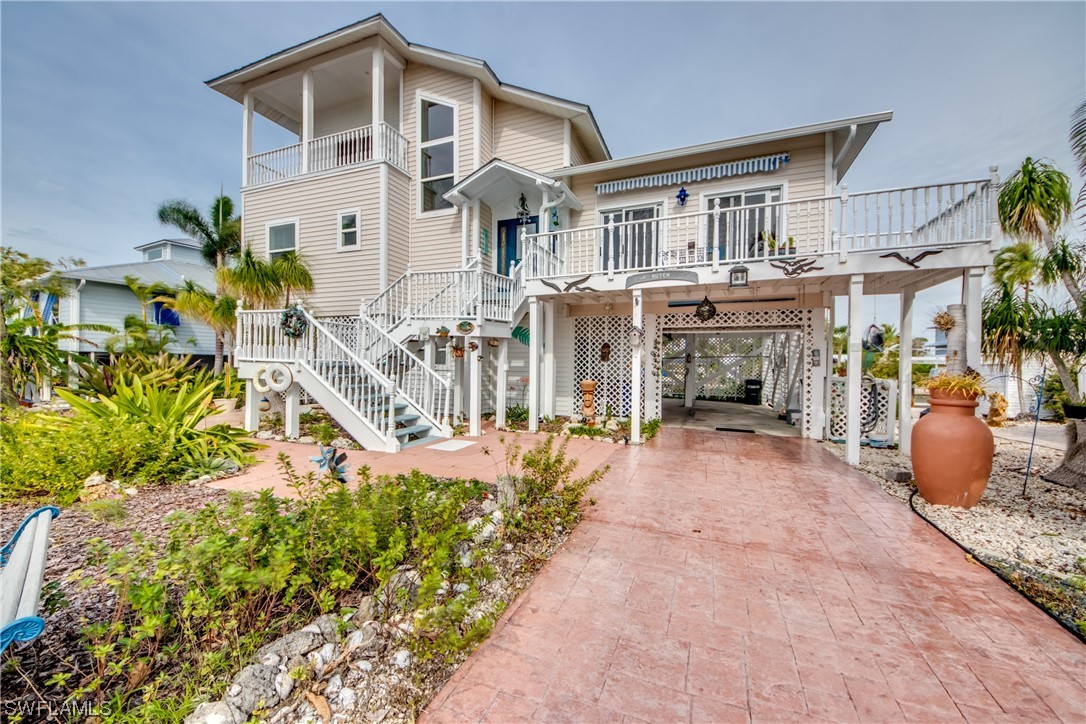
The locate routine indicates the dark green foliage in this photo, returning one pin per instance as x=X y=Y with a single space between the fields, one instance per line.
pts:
x=516 y=413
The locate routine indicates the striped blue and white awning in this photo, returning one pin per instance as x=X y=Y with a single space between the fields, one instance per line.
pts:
x=690 y=175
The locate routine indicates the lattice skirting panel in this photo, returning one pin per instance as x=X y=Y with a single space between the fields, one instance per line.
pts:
x=885 y=412
x=724 y=363
x=601 y=352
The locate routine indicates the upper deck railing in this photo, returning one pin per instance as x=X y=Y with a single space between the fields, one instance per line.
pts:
x=336 y=150
x=903 y=218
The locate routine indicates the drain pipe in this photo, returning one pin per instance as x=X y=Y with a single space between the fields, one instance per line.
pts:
x=1000 y=574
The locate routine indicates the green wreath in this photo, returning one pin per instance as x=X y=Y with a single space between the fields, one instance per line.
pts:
x=293 y=323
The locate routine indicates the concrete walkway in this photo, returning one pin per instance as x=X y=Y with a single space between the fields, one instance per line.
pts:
x=736 y=577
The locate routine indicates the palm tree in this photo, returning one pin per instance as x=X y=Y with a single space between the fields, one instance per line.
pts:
x=1034 y=202
x=1005 y=334
x=1017 y=265
x=252 y=279
x=1078 y=147
x=293 y=273
x=219 y=235
x=217 y=311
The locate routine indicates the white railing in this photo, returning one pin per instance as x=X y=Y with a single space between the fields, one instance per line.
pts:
x=446 y=295
x=922 y=216
x=497 y=297
x=282 y=163
x=341 y=149
x=354 y=381
x=336 y=150
x=428 y=391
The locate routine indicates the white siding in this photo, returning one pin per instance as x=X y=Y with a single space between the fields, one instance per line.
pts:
x=399 y=224
x=563 y=365
x=341 y=278
x=185 y=254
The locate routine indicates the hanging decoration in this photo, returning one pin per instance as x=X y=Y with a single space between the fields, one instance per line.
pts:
x=682 y=196
x=465 y=327
x=493 y=342
x=554 y=216
x=523 y=213
x=293 y=322
x=705 y=310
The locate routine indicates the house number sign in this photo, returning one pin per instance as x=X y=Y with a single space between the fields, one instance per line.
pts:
x=675 y=275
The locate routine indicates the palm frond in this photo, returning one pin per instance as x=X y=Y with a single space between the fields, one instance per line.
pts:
x=1034 y=200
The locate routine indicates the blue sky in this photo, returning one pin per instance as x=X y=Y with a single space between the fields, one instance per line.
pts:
x=105 y=114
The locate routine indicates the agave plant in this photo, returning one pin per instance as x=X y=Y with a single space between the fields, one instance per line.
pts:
x=160 y=370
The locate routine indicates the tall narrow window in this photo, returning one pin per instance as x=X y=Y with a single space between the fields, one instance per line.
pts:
x=437 y=154
x=282 y=238
x=348 y=229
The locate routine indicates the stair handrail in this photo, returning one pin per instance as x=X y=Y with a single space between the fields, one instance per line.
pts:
x=380 y=418
x=431 y=396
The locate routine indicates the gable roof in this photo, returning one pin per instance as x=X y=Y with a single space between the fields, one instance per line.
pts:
x=850 y=136
x=176 y=242
x=493 y=180
x=232 y=84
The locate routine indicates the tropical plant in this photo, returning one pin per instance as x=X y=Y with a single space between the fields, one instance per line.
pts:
x=174 y=414
x=159 y=370
x=293 y=274
x=1034 y=202
x=31 y=349
x=1078 y=147
x=969 y=384
x=219 y=235
x=251 y=279
x=140 y=337
x=1006 y=336
x=22 y=277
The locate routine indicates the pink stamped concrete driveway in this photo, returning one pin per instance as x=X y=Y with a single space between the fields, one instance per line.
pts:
x=733 y=577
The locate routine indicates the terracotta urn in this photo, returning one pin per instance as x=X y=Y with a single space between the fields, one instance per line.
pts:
x=952 y=451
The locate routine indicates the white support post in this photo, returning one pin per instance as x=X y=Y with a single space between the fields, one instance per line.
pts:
x=292 y=413
x=502 y=391
x=458 y=388
x=465 y=222
x=972 y=283
x=855 y=363
x=475 y=400
x=378 y=111
x=548 y=360
x=905 y=371
x=829 y=373
x=307 y=117
x=691 y=380
x=246 y=137
x=252 y=407
x=817 y=414
x=535 y=332
x=636 y=367
x=652 y=376
x=476 y=231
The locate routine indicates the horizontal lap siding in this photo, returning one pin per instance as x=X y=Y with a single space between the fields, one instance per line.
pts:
x=486 y=135
x=399 y=224
x=577 y=153
x=435 y=240
x=486 y=223
x=528 y=138
x=341 y=278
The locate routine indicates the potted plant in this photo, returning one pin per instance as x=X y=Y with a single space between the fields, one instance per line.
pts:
x=952 y=448
x=457 y=349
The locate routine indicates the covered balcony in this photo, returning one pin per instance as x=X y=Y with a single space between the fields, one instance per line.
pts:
x=342 y=109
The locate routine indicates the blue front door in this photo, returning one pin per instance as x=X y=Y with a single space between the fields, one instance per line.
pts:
x=509 y=251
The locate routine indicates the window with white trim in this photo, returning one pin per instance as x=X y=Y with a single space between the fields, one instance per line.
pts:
x=636 y=244
x=437 y=154
x=153 y=254
x=750 y=223
x=349 y=229
x=282 y=239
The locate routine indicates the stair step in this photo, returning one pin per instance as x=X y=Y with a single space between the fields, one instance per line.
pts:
x=421 y=441
x=416 y=430
x=401 y=406
x=405 y=418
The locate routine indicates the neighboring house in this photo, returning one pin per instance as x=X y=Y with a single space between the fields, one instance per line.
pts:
x=427 y=194
x=100 y=295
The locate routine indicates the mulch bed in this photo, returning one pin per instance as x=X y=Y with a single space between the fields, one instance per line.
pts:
x=24 y=673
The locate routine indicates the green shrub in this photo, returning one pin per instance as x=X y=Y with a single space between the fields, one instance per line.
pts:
x=45 y=458
x=587 y=431
x=649 y=428
x=324 y=431
x=516 y=413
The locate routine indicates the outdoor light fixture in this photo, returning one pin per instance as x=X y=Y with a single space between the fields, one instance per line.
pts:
x=682 y=196
x=737 y=277
x=705 y=310
x=523 y=214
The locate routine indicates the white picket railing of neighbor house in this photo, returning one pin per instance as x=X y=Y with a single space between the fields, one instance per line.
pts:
x=354 y=381
x=903 y=218
x=336 y=150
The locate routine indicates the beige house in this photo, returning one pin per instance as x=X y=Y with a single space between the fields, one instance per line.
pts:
x=475 y=246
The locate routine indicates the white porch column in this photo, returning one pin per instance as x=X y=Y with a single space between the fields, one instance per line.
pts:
x=652 y=375
x=972 y=283
x=535 y=331
x=475 y=400
x=458 y=387
x=502 y=384
x=293 y=411
x=378 y=75
x=827 y=400
x=252 y=407
x=636 y=366
x=464 y=234
x=691 y=380
x=905 y=372
x=307 y=117
x=477 y=232
x=548 y=360
x=246 y=136
x=855 y=363
x=817 y=414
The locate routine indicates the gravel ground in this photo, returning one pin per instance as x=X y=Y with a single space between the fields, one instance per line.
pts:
x=1045 y=530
